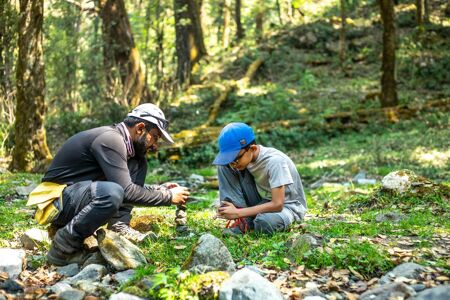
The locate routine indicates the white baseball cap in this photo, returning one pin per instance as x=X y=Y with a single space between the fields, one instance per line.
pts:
x=153 y=114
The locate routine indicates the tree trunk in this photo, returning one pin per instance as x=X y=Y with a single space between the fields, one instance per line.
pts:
x=194 y=10
x=388 y=83
x=121 y=57
x=226 y=23
x=8 y=37
x=237 y=16
x=279 y=11
x=419 y=14
x=259 y=18
x=342 y=45
x=189 y=43
x=426 y=16
x=30 y=146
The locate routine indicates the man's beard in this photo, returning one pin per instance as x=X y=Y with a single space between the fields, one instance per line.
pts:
x=140 y=146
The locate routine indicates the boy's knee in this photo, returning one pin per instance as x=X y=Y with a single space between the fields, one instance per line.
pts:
x=268 y=225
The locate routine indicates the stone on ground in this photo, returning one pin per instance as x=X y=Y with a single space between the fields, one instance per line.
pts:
x=389 y=217
x=211 y=253
x=408 y=270
x=69 y=270
x=441 y=292
x=12 y=261
x=92 y=272
x=396 y=290
x=25 y=190
x=60 y=287
x=398 y=181
x=122 y=277
x=120 y=253
x=124 y=296
x=72 y=294
x=246 y=284
x=34 y=238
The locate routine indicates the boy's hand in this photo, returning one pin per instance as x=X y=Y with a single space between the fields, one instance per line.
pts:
x=179 y=195
x=170 y=185
x=228 y=211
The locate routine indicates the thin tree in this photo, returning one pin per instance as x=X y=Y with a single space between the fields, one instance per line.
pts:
x=237 y=17
x=342 y=44
x=226 y=23
x=189 y=43
x=420 y=8
x=121 y=57
x=388 y=84
x=30 y=145
x=259 y=19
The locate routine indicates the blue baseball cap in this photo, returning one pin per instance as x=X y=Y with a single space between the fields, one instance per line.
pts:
x=233 y=138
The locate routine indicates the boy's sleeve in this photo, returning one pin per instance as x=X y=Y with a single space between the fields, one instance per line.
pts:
x=279 y=173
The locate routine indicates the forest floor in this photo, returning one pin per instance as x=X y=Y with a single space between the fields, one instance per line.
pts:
x=353 y=249
x=301 y=78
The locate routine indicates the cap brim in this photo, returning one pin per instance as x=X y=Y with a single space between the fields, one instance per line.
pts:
x=165 y=135
x=224 y=158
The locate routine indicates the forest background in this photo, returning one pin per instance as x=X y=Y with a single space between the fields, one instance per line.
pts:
x=350 y=89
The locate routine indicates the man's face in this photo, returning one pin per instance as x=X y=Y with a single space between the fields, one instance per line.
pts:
x=146 y=142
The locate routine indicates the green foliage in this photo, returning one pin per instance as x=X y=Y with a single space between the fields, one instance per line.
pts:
x=363 y=257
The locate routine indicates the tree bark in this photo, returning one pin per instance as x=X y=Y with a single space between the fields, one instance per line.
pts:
x=259 y=19
x=30 y=146
x=226 y=23
x=237 y=16
x=388 y=82
x=121 y=57
x=342 y=45
x=420 y=7
x=426 y=16
x=189 y=43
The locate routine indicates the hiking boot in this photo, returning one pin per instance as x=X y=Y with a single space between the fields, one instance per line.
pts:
x=132 y=234
x=58 y=258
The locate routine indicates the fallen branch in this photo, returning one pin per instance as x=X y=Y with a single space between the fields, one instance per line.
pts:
x=229 y=87
x=343 y=120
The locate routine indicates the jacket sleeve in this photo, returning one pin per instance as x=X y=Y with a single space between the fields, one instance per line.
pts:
x=110 y=152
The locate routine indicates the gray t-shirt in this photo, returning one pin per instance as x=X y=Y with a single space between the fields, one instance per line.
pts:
x=274 y=169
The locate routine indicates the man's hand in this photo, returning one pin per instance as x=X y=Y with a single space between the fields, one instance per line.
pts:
x=179 y=195
x=228 y=211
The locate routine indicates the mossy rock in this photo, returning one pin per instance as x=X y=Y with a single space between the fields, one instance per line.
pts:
x=206 y=286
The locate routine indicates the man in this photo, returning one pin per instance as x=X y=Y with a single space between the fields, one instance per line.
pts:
x=100 y=173
x=259 y=187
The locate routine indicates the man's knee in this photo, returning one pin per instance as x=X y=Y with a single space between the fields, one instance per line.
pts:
x=111 y=192
x=267 y=224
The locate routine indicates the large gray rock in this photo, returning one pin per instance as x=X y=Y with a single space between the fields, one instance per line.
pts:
x=124 y=296
x=92 y=272
x=12 y=261
x=441 y=292
x=396 y=290
x=210 y=254
x=408 y=270
x=248 y=285
x=120 y=253
x=34 y=238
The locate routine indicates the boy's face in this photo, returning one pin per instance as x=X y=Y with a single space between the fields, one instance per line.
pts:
x=244 y=157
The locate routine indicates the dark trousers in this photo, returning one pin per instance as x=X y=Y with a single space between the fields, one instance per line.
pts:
x=87 y=205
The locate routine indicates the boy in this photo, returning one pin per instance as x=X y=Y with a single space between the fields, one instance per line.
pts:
x=259 y=187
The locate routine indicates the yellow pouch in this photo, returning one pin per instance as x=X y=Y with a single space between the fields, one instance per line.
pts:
x=48 y=198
